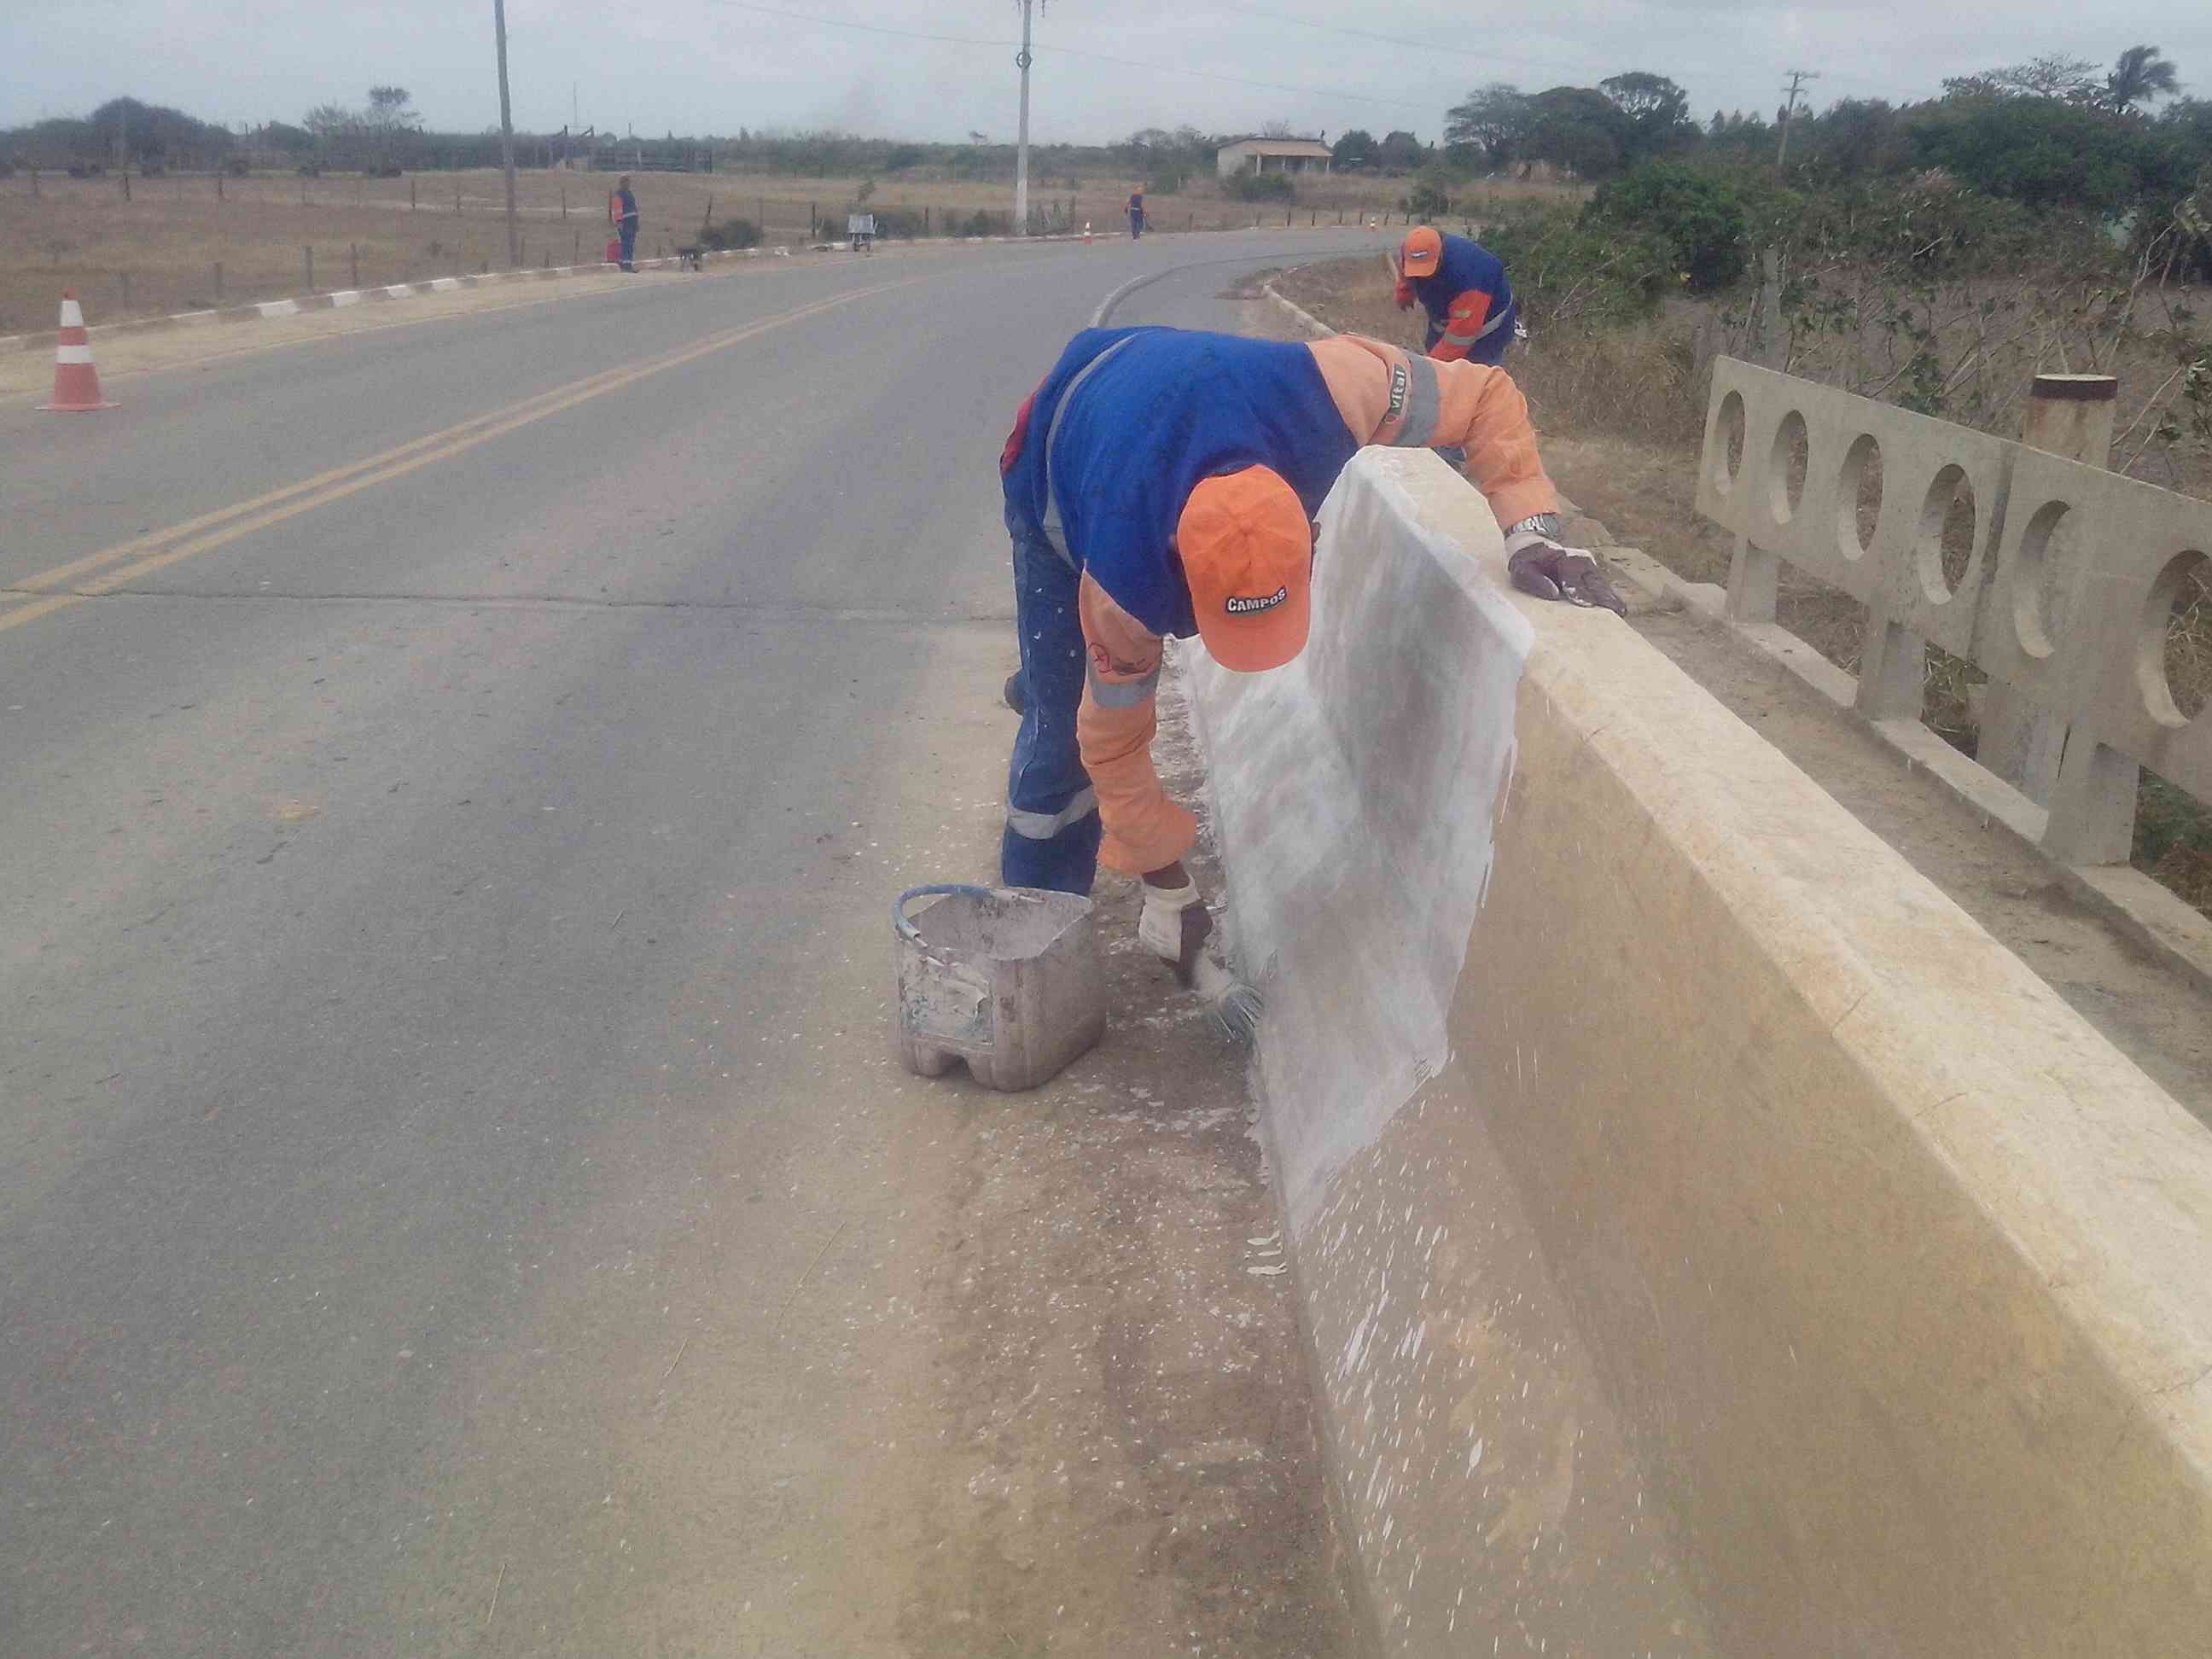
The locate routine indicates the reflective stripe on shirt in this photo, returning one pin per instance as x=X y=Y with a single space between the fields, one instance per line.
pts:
x=1122 y=693
x=1054 y=532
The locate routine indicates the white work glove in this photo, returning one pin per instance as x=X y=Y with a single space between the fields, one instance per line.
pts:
x=1550 y=570
x=1174 y=926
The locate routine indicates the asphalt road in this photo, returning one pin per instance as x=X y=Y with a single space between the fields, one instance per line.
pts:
x=455 y=779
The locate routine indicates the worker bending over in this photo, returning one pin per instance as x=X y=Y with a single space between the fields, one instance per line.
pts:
x=1163 y=482
x=1462 y=285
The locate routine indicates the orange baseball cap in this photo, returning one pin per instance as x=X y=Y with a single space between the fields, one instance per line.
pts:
x=1422 y=249
x=1247 y=548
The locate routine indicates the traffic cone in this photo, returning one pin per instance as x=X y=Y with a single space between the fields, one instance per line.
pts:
x=1087 y=232
x=76 y=382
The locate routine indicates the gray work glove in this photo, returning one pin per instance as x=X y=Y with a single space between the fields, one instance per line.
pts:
x=1540 y=566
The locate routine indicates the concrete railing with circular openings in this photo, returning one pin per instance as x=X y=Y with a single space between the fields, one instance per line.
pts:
x=2056 y=579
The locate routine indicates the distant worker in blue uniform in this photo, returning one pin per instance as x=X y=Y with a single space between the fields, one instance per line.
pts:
x=1136 y=213
x=1462 y=285
x=1163 y=482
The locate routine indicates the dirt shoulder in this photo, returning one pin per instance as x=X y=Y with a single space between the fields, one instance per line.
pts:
x=1126 y=1458
x=2158 y=1017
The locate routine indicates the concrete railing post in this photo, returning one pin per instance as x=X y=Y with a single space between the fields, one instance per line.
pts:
x=2093 y=805
x=1893 y=671
x=1754 y=580
x=2070 y=416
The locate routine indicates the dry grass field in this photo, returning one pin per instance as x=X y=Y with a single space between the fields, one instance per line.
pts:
x=160 y=250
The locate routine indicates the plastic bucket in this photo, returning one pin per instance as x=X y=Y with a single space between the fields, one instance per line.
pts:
x=1007 y=979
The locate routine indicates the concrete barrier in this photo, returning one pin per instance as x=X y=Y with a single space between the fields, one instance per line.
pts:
x=1711 y=1239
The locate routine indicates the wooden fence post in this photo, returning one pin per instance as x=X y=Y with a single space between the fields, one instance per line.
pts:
x=308 y=249
x=218 y=282
x=126 y=183
x=124 y=277
x=353 y=256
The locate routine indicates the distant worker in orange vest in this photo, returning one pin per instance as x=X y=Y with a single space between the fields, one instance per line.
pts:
x=622 y=213
x=1462 y=285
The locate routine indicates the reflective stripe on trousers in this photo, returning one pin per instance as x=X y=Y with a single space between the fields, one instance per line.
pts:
x=1052 y=829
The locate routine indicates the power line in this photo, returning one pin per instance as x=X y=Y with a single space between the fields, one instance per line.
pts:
x=1079 y=52
x=865 y=28
x=1429 y=47
x=1486 y=55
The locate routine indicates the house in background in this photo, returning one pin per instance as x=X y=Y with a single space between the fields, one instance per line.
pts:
x=1271 y=156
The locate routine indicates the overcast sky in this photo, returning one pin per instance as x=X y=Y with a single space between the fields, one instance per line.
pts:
x=716 y=65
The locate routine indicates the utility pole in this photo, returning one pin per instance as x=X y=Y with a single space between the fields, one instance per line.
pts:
x=505 y=134
x=1797 y=80
x=1021 y=139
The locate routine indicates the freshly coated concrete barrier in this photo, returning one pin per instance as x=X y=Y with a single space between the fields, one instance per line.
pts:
x=1711 y=1239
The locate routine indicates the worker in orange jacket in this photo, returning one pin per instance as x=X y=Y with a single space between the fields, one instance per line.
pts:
x=1161 y=482
x=622 y=214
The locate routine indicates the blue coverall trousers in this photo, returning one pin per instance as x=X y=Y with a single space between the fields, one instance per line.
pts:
x=1053 y=827
x=628 y=231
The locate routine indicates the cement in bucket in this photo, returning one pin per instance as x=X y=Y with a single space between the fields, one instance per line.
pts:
x=1008 y=979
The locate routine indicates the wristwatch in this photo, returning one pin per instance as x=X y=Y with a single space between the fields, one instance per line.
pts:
x=1546 y=525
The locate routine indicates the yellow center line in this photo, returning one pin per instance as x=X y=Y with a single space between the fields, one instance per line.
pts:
x=227 y=525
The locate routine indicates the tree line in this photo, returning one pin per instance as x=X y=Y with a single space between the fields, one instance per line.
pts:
x=2049 y=132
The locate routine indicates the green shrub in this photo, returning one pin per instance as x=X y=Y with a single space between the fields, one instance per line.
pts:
x=1166 y=183
x=1430 y=196
x=1260 y=187
x=1699 y=216
x=984 y=222
x=1569 y=272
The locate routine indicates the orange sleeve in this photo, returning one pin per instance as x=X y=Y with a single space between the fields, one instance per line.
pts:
x=1386 y=397
x=1145 y=830
x=1481 y=411
x=1462 y=327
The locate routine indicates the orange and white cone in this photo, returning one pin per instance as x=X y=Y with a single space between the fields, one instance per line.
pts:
x=76 y=382
x=1086 y=231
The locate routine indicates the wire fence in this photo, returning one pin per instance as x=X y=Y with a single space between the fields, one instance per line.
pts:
x=134 y=245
